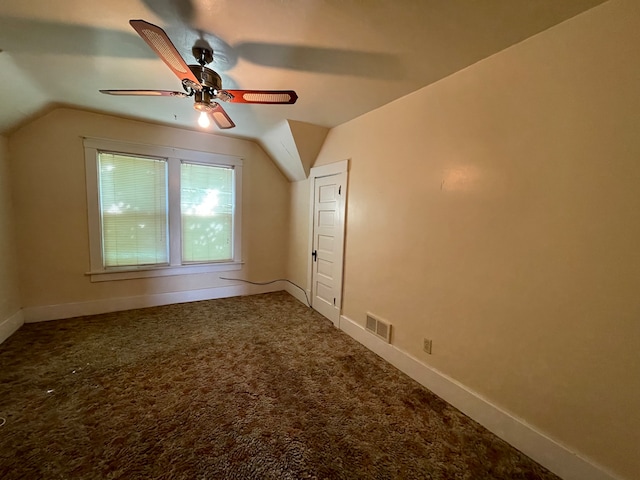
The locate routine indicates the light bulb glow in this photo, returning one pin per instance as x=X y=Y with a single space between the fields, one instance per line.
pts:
x=203 y=120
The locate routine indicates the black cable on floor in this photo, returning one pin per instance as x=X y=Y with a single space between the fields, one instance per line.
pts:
x=272 y=281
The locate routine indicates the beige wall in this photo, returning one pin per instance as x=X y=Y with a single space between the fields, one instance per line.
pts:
x=9 y=291
x=297 y=262
x=497 y=212
x=51 y=213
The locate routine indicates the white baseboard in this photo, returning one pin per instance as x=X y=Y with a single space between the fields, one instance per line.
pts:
x=10 y=325
x=94 y=307
x=298 y=294
x=551 y=454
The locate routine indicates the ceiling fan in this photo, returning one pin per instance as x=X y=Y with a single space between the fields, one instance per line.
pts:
x=198 y=81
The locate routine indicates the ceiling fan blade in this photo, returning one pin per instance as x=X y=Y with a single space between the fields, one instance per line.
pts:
x=220 y=117
x=158 y=40
x=146 y=93
x=259 y=96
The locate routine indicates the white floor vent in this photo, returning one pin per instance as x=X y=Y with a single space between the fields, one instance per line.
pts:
x=379 y=327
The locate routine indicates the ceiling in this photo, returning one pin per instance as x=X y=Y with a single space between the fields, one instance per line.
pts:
x=343 y=57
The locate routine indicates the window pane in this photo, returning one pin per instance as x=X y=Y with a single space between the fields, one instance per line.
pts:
x=133 y=207
x=206 y=204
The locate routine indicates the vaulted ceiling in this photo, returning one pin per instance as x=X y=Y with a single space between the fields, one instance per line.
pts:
x=343 y=57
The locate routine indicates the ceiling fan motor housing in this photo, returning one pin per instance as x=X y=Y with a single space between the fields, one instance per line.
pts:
x=207 y=77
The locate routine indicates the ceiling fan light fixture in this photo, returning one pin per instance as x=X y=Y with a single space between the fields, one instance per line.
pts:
x=203 y=101
x=203 y=119
x=203 y=107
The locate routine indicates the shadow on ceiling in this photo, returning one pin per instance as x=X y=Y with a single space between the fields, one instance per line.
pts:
x=321 y=60
x=289 y=57
x=19 y=35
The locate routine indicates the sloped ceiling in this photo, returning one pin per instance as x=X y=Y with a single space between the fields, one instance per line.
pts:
x=343 y=57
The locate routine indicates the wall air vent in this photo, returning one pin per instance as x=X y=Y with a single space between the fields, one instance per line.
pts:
x=379 y=327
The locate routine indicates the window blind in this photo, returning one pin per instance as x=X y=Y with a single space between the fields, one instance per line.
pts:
x=133 y=205
x=206 y=205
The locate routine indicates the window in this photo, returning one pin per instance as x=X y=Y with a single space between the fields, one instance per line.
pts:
x=133 y=210
x=206 y=206
x=161 y=211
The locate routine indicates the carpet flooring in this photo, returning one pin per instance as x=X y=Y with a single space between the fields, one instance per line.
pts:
x=257 y=387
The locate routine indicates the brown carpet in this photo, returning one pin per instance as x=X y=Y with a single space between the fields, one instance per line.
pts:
x=257 y=387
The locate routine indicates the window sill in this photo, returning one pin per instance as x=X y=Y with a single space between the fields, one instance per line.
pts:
x=165 y=271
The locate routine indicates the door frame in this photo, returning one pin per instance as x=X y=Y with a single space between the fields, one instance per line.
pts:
x=330 y=169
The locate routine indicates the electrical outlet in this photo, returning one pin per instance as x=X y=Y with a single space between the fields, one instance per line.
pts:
x=426 y=345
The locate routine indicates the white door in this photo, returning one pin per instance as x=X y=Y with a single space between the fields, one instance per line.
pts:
x=328 y=243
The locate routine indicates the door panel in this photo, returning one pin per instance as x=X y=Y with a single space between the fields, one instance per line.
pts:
x=326 y=244
x=325 y=269
x=328 y=233
x=326 y=218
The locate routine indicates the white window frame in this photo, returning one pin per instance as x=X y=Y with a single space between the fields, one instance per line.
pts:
x=175 y=157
